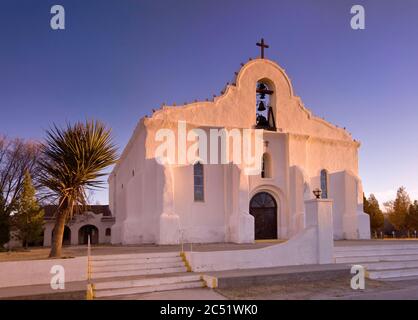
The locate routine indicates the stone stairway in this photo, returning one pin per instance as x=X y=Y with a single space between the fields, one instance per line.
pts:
x=382 y=261
x=117 y=276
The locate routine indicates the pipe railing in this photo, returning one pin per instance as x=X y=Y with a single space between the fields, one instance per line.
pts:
x=90 y=293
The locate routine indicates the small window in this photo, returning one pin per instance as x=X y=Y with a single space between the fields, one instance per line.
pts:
x=198 y=182
x=266 y=166
x=324 y=184
x=108 y=232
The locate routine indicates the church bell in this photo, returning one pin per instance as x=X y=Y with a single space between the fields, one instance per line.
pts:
x=261 y=106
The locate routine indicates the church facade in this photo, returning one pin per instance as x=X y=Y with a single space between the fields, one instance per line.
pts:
x=202 y=201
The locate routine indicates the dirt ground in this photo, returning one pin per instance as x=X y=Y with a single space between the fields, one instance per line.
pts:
x=35 y=254
x=79 y=295
x=38 y=253
x=305 y=290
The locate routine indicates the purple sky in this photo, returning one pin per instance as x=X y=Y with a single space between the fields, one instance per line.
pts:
x=118 y=59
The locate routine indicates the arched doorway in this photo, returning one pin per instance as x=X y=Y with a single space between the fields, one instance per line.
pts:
x=66 y=239
x=85 y=232
x=264 y=209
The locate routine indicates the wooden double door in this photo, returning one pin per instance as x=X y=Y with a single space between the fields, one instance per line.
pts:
x=264 y=209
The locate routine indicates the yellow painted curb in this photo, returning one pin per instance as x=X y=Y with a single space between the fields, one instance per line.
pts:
x=268 y=240
x=186 y=263
x=90 y=292
x=210 y=281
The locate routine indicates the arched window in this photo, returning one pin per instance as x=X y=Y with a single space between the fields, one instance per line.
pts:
x=108 y=232
x=324 y=184
x=198 y=182
x=266 y=166
x=264 y=111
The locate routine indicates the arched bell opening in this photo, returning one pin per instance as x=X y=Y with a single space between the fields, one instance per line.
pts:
x=264 y=110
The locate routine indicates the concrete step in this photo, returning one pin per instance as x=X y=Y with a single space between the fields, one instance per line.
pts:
x=154 y=281
x=391 y=265
x=376 y=247
x=137 y=266
x=382 y=261
x=362 y=259
x=149 y=255
x=136 y=261
x=139 y=277
x=369 y=253
x=126 y=273
x=405 y=278
x=393 y=273
x=146 y=289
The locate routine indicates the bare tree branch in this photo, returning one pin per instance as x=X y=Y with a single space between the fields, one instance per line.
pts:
x=16 y=156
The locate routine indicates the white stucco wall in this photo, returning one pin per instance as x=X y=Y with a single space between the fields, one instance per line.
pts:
x=313 y=245
x=32 y=272
x=302 y=249
x=201 y=221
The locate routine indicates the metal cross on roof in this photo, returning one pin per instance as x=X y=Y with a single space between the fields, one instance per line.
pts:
x=262 y=45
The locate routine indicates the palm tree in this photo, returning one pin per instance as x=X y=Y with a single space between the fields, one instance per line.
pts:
x=73 y=162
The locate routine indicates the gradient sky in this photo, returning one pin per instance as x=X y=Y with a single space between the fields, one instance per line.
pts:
x=119 y=59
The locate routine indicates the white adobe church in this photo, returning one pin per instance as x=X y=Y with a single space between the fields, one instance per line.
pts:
x=204 y=203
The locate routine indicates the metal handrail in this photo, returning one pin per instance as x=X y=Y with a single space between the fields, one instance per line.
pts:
x=181 y=240
x=181 y=231
x=89 y=293
x=88 y=260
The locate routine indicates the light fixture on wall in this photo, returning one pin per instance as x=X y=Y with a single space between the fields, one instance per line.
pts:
x=317 y=192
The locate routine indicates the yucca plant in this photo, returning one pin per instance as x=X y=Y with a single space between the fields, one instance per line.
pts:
x=73 y=161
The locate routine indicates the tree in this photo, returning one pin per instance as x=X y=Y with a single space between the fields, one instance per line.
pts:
x=4 y=224
x=16 y=157
x=412 y=217
x=372 y=208
x=74 y=160
x=398 y=209
x=29 y=217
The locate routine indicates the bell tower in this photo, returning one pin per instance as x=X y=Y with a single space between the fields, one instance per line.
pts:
x=264 y=113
